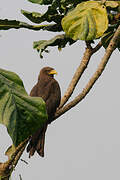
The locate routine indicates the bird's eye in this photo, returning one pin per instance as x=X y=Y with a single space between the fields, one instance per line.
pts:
x=47 y=70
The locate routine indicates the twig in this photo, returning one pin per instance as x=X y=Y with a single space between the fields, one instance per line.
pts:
x=111 y=47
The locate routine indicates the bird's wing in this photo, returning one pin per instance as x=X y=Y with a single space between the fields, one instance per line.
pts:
x=34 y=91
x=53 y=100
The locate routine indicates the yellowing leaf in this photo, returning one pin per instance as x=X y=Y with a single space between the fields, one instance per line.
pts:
x=112 y=4
x=87 y=21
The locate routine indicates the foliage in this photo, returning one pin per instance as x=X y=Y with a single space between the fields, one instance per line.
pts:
x=9 y=24
x=80 y=19
x=20 y=113
x=60 y=40
x=87 y=21
x=109 y=34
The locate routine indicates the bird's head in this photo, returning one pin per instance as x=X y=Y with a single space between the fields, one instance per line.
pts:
x=48 y=71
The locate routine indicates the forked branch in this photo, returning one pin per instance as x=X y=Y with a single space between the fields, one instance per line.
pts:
x=111 y=47
x=80 y=70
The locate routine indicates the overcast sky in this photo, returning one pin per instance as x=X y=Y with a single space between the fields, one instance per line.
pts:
x=84 y=143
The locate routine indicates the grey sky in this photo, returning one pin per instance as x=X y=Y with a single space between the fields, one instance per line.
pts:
x=84 y=143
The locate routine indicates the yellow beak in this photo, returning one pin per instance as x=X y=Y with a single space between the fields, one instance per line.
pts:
x=53 y=72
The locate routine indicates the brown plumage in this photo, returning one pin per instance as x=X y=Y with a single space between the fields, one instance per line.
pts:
x=47 y=88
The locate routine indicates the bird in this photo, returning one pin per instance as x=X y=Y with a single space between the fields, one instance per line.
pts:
x=47 y=88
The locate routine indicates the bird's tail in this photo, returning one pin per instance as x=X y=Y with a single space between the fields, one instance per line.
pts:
x=37 y=142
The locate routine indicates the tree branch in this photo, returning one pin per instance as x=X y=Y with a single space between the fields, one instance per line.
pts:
x=80 y=70
x=96 y=75
x=7 y=167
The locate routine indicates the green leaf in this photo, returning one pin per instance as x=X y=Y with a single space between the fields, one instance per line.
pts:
x=20 y=113
x=49 y=16
x=54 y=12
x=53 y=28
x=107 y=36
x=45 y=2
x=68 y=2
x=87 y=21
x=59 y=40
x=106 y=39
x=9 y=24
x=32 y=16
